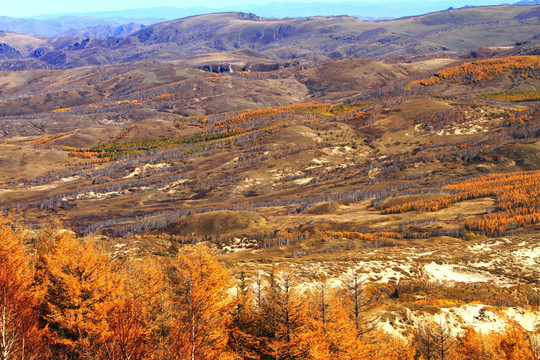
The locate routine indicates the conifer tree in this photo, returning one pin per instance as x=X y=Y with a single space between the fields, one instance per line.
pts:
x=360 y=303
x=475 y=346
x=79 y=287
x=20 y=335
x=201 y=305
x=285 y=319
x=138 y=320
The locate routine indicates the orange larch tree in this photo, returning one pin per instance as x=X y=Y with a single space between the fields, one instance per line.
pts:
x=359 y=302
x=513 y=345
x=79 y=287
x=138 y=320
x=243 y=329
x=20 y=336
x=284 y=318
x=333 y=333
x=476 y=346
x=201 y=305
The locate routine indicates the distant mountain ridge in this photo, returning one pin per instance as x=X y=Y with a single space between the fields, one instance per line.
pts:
x=103 y=31
x=108 y=23
x=60 y=25
x=528 y=2
x=242 y=38
x=296 y=9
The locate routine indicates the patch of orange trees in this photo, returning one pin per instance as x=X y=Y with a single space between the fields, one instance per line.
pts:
x=92 y=162
x=115 y=103
x=313 y=108
x=162 y=96
x=72 y=300
x=124 y=133
x=42 y=141
x=488 y=69
x=124 y=102
x=243 y=117
x=352 y=235
x=517 y=197
x=346 y=108
x=61 y=110
x=84 y=154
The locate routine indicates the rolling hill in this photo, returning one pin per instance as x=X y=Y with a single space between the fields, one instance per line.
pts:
x=201 y=39
x=401 y=154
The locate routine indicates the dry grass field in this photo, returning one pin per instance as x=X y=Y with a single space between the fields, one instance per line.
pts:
x=415 y=169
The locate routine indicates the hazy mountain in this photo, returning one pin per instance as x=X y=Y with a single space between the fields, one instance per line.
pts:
x=53 y=26
x=28 y=26
x=163 y=12
x=232 y=34
x=358 y=9
x=381 y=9
x=105 y=23
x=103 y=31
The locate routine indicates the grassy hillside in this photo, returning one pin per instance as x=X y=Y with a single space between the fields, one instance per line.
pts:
x=394 y=161
x=227 y=38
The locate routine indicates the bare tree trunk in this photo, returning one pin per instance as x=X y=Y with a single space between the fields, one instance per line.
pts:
x=192 y=340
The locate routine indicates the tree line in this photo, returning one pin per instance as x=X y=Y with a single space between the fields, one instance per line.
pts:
x=65 y=298
x=488 y=69
x=517 y=197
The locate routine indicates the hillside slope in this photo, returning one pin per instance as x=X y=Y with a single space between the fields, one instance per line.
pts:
x=202 y=38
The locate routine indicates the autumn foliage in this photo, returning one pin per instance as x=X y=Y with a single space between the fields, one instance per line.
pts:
x=476 y=71
x=61 y=110
x=79 y=287
x=73 y=301
x=200 y=304
x=20 y=335
x=43 y=141
x=517 y=199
